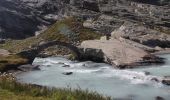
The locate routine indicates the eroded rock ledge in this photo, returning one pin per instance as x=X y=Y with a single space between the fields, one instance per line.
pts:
x=120 y=54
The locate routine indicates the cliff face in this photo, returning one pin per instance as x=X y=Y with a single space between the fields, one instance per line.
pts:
x=15 y=21
x=21 y=18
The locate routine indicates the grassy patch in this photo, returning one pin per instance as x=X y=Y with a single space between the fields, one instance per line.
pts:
x=11 y=90
x=7 y=95
x=16 y=46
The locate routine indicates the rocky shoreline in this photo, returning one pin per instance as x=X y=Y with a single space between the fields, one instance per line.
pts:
x=132 y=33
x=116 y=52
x=120 y=54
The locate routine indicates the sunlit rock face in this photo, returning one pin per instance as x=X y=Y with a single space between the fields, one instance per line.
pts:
x=22 y=18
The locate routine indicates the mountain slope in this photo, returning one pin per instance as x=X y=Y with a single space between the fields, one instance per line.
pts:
x=22 y=18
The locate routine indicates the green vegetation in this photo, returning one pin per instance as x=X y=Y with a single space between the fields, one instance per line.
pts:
x=69 y=30
x=11 y=90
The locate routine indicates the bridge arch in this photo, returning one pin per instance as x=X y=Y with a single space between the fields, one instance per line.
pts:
x=31 y=54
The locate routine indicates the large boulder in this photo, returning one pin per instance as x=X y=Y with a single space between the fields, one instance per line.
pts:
x=119 y=53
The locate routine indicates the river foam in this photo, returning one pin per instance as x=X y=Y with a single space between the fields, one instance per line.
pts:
x=131 y=84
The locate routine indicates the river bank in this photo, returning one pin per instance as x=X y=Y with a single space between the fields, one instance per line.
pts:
x=128 y=84
x=73 y=38
x=119 y=50
x=10 y=89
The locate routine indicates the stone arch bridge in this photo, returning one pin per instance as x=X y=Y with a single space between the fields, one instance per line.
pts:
x=32 y=53
x=80 y=53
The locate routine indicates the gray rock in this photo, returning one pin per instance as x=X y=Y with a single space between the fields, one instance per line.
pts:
x=92 y=54
x=66 y=66
x=143 y=35
x=67 y=73
x=167 y=77
x=21 y=18
x=166 y=80
x=147 y=73
x=60 y=63
x=155 y=79
x=159 y=98
x=28 y=67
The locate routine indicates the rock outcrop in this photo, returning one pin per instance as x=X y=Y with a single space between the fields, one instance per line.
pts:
x=147 y=13
x=22 y=18
x=142 y=35
x=121 y=54
x=16 y=21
